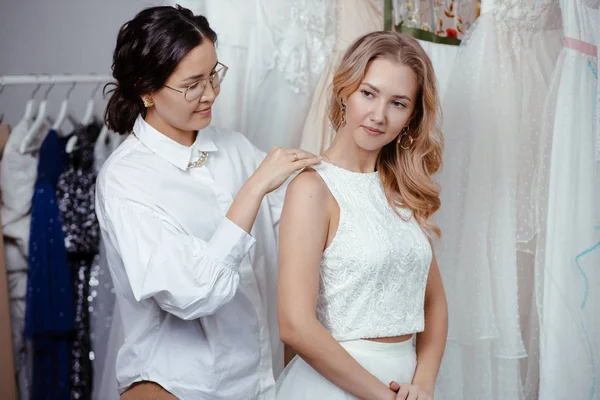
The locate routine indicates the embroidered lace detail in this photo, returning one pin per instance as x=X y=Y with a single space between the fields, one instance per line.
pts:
x=517 y=20
x=374 y=272
x=521 y=18
x=306 y=40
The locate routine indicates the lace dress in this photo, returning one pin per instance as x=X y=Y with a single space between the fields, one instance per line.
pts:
x=276 y=51
x=303 y=37
x=492 y=121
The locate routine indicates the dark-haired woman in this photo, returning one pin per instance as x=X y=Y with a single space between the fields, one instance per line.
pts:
x=177 y=203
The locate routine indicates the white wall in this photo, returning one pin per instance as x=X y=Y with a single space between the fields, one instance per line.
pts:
x=59 y=36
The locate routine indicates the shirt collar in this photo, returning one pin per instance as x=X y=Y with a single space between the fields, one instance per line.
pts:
x=165 y=147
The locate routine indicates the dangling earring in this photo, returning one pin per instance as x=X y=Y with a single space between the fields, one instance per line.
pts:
x=148 y=101
x=343 y=122
x=403 y=133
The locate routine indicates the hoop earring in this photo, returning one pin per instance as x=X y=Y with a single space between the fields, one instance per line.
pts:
x=148 y=101
x=403 y=133
x=343 y=122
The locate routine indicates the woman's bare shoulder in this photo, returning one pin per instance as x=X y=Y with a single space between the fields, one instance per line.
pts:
x=308 y=186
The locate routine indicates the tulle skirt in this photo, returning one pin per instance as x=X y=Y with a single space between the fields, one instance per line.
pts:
x=387 y=361
x=493 y=109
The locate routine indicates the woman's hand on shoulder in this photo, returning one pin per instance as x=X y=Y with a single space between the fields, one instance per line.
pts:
x=278 y=166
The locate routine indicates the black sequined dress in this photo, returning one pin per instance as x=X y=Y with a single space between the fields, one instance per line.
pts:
x=75 y=192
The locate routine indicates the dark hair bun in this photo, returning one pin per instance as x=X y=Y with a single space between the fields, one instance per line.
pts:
x=149 y=48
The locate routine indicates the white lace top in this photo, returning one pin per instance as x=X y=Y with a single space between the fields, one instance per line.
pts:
x=374 y=272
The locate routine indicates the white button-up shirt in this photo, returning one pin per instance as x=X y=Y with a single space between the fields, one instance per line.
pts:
x=196 y=293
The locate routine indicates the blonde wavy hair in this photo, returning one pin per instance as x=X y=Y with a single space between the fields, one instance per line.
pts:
x=406 y=174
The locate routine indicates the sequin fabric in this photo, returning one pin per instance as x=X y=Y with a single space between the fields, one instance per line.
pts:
x=75 y=193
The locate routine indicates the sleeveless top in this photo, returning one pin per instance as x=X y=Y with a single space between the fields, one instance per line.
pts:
x=374 y=272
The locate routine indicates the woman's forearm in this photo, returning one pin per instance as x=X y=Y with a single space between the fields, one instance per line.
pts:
x=431 y=343
x=245 y=206
x=322 y=352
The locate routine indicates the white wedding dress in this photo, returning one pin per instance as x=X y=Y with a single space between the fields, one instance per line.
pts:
x=234 y=21
x=276 y=51
x=492 y=120
x=303 y=36
x=569 y=270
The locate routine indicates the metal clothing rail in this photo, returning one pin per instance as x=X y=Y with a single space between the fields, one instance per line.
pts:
x=54 y=79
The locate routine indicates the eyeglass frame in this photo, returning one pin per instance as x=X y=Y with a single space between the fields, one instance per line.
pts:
x=203 y=82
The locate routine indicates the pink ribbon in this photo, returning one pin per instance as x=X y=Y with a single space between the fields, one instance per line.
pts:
x=581 y=46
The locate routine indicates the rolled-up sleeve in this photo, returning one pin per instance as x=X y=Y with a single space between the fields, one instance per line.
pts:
x=186 y=276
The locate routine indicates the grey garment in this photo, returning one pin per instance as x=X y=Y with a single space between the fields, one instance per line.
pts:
x=106 y=337
x=106 y=387
x=18 y=172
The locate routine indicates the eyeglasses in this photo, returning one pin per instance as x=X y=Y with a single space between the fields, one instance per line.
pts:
x=196 y=90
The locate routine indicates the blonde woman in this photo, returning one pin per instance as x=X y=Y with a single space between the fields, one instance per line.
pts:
x=358 y=277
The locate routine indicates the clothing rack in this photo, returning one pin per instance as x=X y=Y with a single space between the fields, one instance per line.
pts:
x=7 y=372
x=54 y=79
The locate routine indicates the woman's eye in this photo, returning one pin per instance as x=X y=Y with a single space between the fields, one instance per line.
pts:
x=367 y=94
x=398 y=104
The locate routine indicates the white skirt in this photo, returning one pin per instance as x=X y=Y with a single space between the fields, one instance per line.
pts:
x=387 y=361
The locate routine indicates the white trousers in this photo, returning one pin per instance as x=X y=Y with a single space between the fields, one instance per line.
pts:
x=387 y=361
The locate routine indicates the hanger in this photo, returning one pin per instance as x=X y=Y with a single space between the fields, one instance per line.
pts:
x=30 y=103
x=64 y=105
x=86 y=120
x=103 y=134
x=39 y=119
x=89 y=109
x=70 y=146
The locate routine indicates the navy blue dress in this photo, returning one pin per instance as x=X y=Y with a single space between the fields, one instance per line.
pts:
x=49 y=317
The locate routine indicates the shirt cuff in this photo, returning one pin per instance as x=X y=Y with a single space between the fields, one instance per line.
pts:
x=230 y=243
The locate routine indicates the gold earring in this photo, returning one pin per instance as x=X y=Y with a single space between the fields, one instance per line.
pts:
x=343 y=122
x=148 y=101
x=404 y=133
